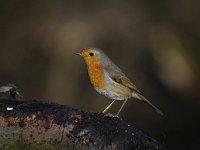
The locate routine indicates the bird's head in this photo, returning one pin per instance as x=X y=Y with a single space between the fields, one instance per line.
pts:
x=92 y=56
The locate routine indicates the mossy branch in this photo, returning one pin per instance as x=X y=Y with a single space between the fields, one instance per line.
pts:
x=36 y=124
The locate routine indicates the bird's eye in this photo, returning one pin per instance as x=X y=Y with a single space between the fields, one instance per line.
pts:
x=91 y=54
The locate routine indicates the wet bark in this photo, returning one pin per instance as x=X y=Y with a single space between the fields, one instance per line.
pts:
x=38 y=124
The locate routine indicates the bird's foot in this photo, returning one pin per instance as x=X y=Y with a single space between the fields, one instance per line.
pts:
x=112 y=115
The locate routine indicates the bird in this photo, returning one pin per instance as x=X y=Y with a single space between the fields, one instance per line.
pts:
x=109 y=80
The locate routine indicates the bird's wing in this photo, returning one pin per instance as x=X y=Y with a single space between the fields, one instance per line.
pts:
x=120 y=78
x=123 y=80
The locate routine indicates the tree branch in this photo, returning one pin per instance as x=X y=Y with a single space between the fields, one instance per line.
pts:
x=36 y=124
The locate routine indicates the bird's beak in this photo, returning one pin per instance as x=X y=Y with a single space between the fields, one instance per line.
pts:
x=78 y=53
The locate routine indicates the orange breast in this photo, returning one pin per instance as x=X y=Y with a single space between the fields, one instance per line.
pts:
x=96 y=75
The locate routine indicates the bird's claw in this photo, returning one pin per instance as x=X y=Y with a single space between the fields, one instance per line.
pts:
x=112 y=115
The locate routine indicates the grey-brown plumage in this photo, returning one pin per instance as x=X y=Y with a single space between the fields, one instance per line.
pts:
x=116 y=85
x=119 y=77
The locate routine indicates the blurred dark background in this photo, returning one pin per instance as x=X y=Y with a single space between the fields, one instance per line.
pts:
x=156 y=43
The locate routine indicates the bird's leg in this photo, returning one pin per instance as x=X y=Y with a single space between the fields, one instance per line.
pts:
x=108 y=106
x=122 y=106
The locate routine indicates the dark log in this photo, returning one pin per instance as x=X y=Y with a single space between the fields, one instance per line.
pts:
x=37 y=124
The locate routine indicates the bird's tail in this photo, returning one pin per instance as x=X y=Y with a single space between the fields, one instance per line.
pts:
x=140 y=97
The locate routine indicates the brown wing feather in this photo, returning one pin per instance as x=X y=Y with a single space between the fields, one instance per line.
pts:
x=120 y=78
x=123 y=80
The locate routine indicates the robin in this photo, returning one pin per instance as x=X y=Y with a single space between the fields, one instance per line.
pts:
x=109 y=80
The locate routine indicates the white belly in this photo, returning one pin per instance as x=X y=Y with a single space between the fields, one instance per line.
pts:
x=110 y=94
x=113 y=90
